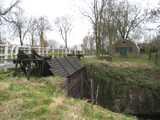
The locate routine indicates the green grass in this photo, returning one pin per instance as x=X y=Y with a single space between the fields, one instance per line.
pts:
x=139 y=60
x=47 y=101
x=39 y=99
x=5 y=96
x=89 y=53
x=122 y=60
x=3 y=72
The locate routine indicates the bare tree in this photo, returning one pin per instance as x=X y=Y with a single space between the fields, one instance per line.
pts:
x=128 y=17
x=154 y=17
x=33 y=31
x=19 y=24
x=85 y=43
x=43 y=26
x=46 y=44
x=4 y=10
x=75 y=47
x=88 y=42
x=53 y=44
x=95 y=15
x=109 y=33
x=64 y=26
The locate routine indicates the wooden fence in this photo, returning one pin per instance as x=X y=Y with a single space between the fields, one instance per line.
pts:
x=10 y=52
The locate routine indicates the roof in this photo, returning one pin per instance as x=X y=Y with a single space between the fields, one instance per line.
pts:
x=129 y=41
x=65 y=66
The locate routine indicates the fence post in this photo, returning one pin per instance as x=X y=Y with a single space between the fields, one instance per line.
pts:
x=46 y=51
x=6 y=57
x=1 y=54
x=53 y=53
x=62 y=52
x=58 y=53
x=66 y=52
x=75 y=52
x=11 y=51
x=69 y=51
x=29 y=50
x=39 y=50
x=1 y=50
x=16 y=51
x=43 y=51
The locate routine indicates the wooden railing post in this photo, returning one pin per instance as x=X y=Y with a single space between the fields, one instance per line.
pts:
x=46 y=51
x=62 y=52
x=29 y=50
x=66 y=52
x=39 y=50
x=16 y=51
x=58 y=53
x=69 y=51
x=6 y=57
x=43 y=51
x=53 y=53
x=75 y=52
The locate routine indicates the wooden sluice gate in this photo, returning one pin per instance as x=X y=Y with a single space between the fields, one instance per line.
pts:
x=67 y=67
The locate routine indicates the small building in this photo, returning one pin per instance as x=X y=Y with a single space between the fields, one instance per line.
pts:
x=124 y=48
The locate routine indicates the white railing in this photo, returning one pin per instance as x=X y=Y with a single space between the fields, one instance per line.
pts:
x=10 y=52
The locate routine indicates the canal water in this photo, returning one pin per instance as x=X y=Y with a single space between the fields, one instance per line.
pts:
x=148 y=117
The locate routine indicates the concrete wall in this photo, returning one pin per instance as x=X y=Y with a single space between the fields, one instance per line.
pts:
x=155 y=57
x=131 y=100
x=128 y=43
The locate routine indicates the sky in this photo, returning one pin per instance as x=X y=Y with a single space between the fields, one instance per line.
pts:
x=57 y=8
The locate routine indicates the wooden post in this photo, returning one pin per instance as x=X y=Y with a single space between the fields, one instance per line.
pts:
x=29 y=50
x=75 y=52
x=52 y=53
x=43 y=51
x=16 y=52
x=46 y=51
x=91 y=98
x=62 y=52
x=66 y=52
x=82 y=83
x=39 y=50
x=58 y=53
x=6 y=57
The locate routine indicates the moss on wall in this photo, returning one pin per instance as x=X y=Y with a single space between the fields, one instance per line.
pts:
x=129 y=90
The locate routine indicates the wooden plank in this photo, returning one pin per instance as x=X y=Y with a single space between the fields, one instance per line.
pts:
x=78 y=61
x=74 y=64
x=65 y=66
x=57 y=69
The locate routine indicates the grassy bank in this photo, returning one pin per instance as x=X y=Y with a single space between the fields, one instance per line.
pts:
x=40 y=99
x=121 y=77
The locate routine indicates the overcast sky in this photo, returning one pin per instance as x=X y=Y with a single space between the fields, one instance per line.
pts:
x=57 y=8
